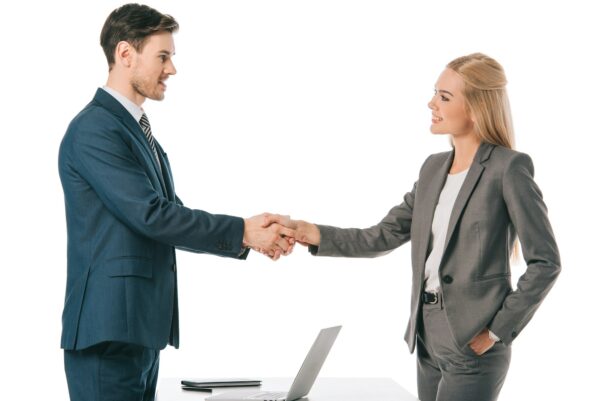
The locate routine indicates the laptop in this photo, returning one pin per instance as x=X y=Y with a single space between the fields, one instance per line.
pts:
x=304 y=379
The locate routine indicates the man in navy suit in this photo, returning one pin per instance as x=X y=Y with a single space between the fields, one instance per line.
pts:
x=124 y=221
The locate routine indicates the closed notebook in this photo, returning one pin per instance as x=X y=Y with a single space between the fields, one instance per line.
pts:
x=212 y=383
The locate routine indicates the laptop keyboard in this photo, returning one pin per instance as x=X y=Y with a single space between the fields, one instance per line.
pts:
x=268 y=396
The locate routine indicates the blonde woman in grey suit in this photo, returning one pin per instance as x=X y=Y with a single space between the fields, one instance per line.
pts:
x=463 y=217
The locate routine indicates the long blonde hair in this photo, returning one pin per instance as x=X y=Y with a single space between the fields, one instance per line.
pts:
x=486 y=97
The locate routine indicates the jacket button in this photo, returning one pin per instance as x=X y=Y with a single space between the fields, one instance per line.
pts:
x=447 y=279
x=513 y=334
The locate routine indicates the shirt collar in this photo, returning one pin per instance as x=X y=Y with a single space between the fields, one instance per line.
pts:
x=133 y=109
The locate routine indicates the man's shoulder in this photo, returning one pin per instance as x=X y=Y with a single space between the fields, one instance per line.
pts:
x=92 y=113
x=92 y=118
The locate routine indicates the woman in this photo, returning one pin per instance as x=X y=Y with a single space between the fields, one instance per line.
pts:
x=463 y=217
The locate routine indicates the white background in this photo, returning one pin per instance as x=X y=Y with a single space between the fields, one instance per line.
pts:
x=316 y=109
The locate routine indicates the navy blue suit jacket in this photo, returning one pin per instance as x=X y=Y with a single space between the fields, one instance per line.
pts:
x=123 y=223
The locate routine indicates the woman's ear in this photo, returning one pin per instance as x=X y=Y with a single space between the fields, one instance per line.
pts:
x=470 y=114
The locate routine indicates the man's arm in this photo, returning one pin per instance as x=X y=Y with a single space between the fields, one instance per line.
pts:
x=107 y=164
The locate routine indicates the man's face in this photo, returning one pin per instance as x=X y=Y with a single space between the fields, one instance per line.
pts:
x=153 y=65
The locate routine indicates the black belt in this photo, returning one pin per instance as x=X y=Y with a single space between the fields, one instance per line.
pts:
x=430 y=298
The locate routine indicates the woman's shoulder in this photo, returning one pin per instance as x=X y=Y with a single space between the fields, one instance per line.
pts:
x=437 y=158
x=434 y=162
x=490 y=155
x=507 y=156
x=506 y=161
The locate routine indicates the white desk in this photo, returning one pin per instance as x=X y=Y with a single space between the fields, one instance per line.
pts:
x=324 y=389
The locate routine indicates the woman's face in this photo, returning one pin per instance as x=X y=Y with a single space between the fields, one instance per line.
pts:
x=448 y=107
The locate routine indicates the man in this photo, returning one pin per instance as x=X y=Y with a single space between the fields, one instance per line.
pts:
x=124 y=220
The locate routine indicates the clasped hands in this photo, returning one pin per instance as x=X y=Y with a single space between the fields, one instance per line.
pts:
x=275 y=235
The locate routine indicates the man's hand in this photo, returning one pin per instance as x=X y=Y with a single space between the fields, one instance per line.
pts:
x=482 y=342
x=304 y=232
x=272 y=240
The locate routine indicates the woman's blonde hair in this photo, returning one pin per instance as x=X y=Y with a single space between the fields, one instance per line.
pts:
x=486 y=97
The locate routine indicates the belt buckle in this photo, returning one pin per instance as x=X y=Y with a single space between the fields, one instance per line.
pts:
x=430 y=298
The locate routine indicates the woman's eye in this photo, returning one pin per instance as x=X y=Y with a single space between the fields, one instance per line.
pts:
x=444 y=98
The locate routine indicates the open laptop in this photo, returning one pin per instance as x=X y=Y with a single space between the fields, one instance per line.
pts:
x=304 y=379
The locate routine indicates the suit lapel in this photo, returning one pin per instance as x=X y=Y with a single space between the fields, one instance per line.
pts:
x=467 y=188
x=113 y=105
x=166 y=169
x=139 y=135
x=436 y=180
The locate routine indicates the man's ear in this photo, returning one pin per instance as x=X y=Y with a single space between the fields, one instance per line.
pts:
x=124 y=53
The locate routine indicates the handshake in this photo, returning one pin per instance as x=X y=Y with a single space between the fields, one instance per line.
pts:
x=274 y=235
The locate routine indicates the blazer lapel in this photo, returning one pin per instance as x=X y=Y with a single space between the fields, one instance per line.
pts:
x=471 y=180
x=134 y=127
x=166 y=170
x=436 y=180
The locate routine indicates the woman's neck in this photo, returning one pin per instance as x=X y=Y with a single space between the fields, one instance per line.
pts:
x=465 y=148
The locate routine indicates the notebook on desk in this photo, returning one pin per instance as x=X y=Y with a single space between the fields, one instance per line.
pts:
x=214 y=383
x=303 y=381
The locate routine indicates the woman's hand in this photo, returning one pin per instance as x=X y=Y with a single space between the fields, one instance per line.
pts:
x=304 y=232
x=482 y=342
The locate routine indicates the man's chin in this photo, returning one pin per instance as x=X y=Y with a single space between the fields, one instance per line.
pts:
x=157 y=96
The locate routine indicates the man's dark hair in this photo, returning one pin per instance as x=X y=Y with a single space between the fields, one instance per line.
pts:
x=133 y=23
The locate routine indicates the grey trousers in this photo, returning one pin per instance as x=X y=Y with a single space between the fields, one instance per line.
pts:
x=446 y=372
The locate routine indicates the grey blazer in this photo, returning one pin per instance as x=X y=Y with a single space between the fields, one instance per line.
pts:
x=498 y=201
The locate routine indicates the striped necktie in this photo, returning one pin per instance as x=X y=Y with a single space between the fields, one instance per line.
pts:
x=145 y=123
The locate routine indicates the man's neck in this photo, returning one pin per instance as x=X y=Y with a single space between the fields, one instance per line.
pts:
x=122 y=85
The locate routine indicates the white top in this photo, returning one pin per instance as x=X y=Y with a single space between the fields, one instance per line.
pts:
x=439 y=229
x=133 y=109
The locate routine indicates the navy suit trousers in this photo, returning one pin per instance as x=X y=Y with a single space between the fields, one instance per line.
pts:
x=112 y=371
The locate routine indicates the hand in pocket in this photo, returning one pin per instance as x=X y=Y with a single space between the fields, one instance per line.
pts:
x=482 y=342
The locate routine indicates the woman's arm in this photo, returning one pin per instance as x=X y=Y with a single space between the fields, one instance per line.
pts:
x=391 y=232
x=529 y=216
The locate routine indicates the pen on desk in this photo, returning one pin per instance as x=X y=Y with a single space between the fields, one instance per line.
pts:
x=205 y=389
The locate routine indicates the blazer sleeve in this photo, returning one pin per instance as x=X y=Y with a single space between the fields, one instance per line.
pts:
x=391 y=232
x=529 y=216
x=107 y=164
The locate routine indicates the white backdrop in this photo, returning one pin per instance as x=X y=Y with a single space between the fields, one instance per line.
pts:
x=316 y=109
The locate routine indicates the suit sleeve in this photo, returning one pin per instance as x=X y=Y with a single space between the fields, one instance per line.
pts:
x=105 y=161
x=391 y=232
x=528 y=214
